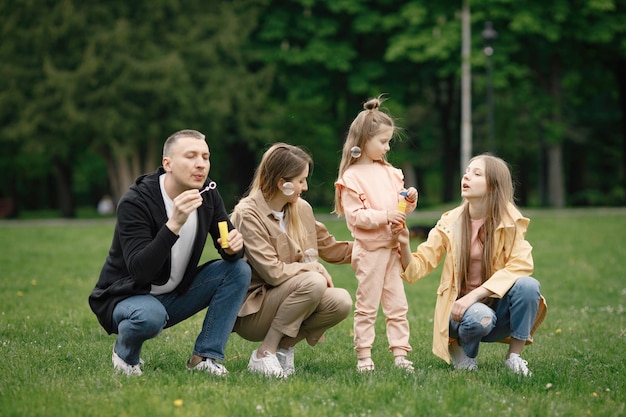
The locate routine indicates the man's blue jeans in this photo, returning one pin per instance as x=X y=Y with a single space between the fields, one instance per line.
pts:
x=221 y=286
x=512 y=315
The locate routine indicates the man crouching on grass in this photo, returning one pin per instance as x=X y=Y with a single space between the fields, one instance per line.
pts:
x=151 y=278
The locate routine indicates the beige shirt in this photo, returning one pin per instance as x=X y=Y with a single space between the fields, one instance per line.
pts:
x=273 y=255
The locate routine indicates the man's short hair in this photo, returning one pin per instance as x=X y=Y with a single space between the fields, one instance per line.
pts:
x=180 y=134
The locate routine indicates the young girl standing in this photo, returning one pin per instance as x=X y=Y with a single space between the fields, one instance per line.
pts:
x=367 y=193
x=486 y=293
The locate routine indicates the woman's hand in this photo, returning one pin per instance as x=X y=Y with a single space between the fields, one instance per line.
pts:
x=235 y=242
x=324 y=272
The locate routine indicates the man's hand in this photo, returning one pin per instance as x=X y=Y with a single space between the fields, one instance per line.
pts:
x=184 y=204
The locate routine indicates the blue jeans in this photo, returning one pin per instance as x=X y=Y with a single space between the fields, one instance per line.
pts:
x=221 y=286
x=512 y=315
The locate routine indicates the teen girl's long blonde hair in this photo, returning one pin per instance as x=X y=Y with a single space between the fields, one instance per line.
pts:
x=283 y=161
x=500 y=193
x=365 y=126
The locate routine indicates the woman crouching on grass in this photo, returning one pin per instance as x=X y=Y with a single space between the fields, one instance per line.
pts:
x=291 y=297
x=486 y=293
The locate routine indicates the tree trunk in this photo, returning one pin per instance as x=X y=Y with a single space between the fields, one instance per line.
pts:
x=619 y=70
x=63 y=175
x=444 y=102
x=126 y=163
x=556 y=181
x=556 y=193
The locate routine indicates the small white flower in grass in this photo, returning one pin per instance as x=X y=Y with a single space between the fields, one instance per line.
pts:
x=549 y=386
x=259 y=408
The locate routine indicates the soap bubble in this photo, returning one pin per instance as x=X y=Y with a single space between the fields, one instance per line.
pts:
x=288 y=188
x=355 y=152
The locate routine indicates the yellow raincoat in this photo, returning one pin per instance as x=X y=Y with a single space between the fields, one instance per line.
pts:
x=510 y=264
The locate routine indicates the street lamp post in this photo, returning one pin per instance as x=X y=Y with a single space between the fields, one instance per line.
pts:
x=489 y=35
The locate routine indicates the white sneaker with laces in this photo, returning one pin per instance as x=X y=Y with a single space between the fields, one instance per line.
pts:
x=403 y=363
x=267 y=365
x=209 y=365
x=286 y=359
x=459 y=359
x=518 y=365
x=121 y=366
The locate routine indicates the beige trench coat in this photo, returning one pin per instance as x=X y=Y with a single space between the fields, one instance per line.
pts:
x=273 y=255
x=514 y=261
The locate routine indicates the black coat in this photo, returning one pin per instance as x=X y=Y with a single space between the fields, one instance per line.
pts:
x=140 y=252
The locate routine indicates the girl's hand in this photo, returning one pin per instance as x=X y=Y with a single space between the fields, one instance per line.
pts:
x=411 y=195
x=401 y=233
x=396 y=217
x=459 y=308
x=461 y=305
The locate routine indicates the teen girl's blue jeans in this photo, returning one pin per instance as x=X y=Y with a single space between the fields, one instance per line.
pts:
x=221 y=286
x=512 y=315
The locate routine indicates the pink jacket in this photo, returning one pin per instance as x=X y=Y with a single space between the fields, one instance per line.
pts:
x=368 y=192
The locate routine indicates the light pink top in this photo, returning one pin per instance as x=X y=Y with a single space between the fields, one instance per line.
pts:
x=474 y=280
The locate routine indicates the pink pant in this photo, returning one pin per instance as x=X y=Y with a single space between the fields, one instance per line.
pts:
x=379 y=282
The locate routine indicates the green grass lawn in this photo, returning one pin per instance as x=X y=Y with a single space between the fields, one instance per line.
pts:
x=56 y=359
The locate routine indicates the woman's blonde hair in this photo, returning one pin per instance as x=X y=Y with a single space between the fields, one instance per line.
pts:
x=500 y=193
x=283 y=161
x=365 y=126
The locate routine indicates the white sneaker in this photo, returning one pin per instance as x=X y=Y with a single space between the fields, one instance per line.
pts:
x=286 y=359
x=209 y=365
x=403 y=363
x=459 y=359
x=121 y=366
x=518 y=365
x=267 y=365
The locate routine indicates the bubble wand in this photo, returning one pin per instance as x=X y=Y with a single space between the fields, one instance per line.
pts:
x=212 y=185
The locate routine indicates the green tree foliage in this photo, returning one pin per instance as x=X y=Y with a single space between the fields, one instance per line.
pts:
x=86 y=85
x=118 y=78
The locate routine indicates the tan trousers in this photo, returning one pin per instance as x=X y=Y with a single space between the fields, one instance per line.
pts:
x=378 y=276
x=302 y=308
